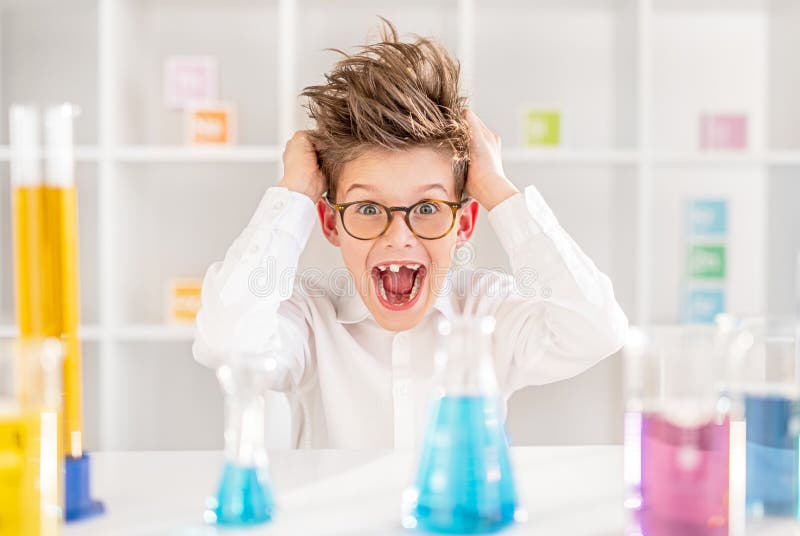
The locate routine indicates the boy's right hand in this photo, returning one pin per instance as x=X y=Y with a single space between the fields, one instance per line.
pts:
x=301 y=172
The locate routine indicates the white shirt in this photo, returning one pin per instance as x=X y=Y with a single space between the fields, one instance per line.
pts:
x=351 y=383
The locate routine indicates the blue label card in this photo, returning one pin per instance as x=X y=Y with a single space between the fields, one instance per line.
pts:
x=703 y=305
x=707 y=217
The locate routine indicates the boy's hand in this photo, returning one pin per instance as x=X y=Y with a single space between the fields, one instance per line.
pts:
x=486 y=180
x=301 y=172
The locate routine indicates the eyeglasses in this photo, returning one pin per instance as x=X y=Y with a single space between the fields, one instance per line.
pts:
x=428 y=219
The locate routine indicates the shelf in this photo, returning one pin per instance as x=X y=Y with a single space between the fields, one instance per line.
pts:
x=154 y=332
x=775 y=158
x=712 y=6
x=562 y=155
x=132 y=332
x=177 y=153
x=559 y=155
x=565 y=155
x=83 y=153
x=89 y=332
x=173 y=153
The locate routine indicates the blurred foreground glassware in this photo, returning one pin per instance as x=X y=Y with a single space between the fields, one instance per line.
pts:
x=30 y=454
x=244 y=496
x=464 y=483
x=765 y=384
x=677 y=432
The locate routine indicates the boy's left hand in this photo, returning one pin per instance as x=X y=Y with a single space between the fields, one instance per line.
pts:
x=486 y=180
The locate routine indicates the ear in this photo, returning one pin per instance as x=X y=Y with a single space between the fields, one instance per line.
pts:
x=327 y=218
x=466 y=220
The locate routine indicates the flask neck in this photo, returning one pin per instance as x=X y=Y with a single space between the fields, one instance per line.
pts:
x=245 y=429
x=245 y=413
x=465 y=362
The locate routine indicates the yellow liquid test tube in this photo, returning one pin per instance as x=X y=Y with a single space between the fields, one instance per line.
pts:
x=61 y=222
x=61 y=229
x=45 y=258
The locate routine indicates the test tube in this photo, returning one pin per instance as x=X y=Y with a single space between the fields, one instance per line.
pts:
x=61 y=226
x=60 y=209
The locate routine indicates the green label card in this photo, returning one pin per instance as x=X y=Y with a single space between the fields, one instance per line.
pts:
x=542 y=127
x=706 y=261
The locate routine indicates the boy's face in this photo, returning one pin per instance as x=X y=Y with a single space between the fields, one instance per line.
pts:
x=397 y=274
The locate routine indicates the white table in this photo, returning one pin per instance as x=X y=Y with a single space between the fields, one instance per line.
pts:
x=567 y=491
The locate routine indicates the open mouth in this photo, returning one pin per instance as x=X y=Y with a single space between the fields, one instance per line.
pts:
x=398 y=284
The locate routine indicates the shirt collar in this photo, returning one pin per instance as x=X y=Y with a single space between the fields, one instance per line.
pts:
x=351 y=309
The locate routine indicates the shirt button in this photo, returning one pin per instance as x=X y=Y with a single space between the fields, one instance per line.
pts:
x=401 y=388
x=278 y=204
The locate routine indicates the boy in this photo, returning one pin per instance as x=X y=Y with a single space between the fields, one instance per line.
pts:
x=403 y=166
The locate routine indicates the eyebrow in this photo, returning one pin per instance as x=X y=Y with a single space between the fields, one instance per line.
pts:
x=423 y=188
x=357 y=186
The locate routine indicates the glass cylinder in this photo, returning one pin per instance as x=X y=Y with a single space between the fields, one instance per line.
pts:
x=765 y=382
x=244 y=496
x=677 y=432
x=61 y=228
x=30 y=459
x=464 y=483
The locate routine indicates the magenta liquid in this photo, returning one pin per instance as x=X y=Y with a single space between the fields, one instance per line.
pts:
x=683 y=488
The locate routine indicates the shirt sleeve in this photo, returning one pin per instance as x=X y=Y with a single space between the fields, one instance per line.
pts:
x=246 y=300
x=557 y=315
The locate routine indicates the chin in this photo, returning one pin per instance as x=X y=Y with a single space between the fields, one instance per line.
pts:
x=398 y=320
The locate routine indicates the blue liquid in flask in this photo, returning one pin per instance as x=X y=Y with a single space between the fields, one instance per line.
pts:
x=772 y=455
x=243 y=498
x=465 y=484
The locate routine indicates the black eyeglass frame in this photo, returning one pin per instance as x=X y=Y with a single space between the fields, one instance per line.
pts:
x=341 y=207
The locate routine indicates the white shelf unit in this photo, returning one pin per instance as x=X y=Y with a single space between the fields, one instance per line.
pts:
x=631 y=76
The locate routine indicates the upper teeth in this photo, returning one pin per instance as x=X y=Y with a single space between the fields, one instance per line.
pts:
x=396 y=267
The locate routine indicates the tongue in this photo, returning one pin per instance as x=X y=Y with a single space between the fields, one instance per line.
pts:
x=398 y=282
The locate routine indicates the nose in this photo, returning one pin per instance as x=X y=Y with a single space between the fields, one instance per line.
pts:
x=398 y=234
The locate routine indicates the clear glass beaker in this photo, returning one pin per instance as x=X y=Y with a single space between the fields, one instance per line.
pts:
x=464 y=482
x=244 y=496
x=30 y=450
x=765 y=383
x=677 y=432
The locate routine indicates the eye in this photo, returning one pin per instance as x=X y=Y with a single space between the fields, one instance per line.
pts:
x=368 y=209
x=427 y=208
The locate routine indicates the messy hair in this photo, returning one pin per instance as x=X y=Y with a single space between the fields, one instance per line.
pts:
x=389 y=95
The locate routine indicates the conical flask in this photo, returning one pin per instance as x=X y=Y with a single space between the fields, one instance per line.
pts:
x=244 y=497
x=464 y=482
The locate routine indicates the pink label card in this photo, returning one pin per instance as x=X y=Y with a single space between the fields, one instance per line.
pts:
x=724 y=131
x=189 y=79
